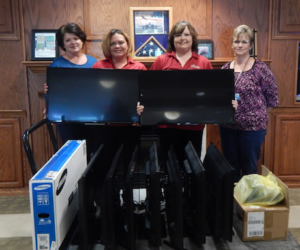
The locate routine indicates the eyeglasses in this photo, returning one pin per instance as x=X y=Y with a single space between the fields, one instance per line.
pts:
x=237 y=42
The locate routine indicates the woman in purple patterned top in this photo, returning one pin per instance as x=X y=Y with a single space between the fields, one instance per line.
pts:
x=256 y=91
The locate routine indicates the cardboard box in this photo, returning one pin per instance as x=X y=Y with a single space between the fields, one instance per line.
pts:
x=54 y=196
x=259 y=223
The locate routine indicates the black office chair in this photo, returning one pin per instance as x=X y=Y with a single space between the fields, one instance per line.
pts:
x=27 y=144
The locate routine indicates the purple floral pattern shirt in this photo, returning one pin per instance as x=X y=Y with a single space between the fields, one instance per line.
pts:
x=258 y=90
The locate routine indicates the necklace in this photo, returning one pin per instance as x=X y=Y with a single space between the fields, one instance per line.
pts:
x=241 y=71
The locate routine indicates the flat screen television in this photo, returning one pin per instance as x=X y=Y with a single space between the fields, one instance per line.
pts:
x=194 y=194
x=110 y=204
x=153 y=197
x=219 y=186
x=128 y=238
x=92 y=95
x=89 y=212
x=187 y=96
x=174 y=202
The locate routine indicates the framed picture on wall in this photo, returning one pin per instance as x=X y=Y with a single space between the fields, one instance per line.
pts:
x=253 y=50
x=44 y=45
x=149 y=31
x=206 y=48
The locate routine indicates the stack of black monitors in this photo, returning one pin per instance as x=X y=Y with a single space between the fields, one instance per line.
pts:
x=174 y=202
x=194 y=196
x=199 y=201
x=153 y=199
x=219 y=180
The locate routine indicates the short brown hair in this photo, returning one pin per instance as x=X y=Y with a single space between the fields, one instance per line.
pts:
x=243 y=29
x=105 y=46
x=178 y=28
x=71 y=28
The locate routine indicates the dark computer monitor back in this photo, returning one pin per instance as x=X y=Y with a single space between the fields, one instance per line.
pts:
x=110 y=204
x=219 y=179
x=154 y=197
x=92 y=95
x=195 y=195
x=129 y=227
x=187 y=96
x=88 y=211
x=174 y=201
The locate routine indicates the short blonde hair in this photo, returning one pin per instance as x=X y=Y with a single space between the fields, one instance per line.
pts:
x=243 y=29
x=105 y=46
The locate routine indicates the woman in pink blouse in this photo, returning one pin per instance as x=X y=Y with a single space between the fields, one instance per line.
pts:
x=256 y=92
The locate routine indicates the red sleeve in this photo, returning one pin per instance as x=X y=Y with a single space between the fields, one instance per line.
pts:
x=157 y=65
x=206 y=63
x=209 y=66
x=96 y=65
x=143 y=67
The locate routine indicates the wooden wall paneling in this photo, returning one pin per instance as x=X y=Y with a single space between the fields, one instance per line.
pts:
x=228 y=14
x=97 y=25
x=213 y=135
x=287 y=144
x=269 y=143
x=197 y=12
x=13 y=90
x=11 y=173
x=286 y=19
x=297 y=71
x=93 y=48
x=100 y=17
x=284 y=67
x=10 y=20
x=45 y=14
x=21 y=115
x=40 y=141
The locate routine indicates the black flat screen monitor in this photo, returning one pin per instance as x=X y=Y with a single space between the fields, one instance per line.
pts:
x=174 y=201
x=129 y=227
x=187 y=97
x=88 y=231
x=153 y=207
x=194 y=193
x=92 y=95
x=219 y=180
x=110 y=204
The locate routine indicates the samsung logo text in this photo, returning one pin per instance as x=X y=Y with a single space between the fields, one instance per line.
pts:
x=42 y=187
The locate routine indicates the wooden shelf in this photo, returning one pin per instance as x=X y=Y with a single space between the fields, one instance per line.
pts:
x=39 y=67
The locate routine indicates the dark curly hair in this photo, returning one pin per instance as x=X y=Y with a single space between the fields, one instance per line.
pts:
x=72 y=28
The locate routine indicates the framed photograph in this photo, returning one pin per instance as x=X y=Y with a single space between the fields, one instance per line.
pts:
x=253 y=50
x=44 y=45
x=206 y=48
x=149 y=31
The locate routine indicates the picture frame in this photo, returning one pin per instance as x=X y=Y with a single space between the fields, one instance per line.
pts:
x=149 y=32
x=44 y=45
x=253 y=50
x=206 y=49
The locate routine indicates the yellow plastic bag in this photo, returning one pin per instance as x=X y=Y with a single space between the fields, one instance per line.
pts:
x=256 y=189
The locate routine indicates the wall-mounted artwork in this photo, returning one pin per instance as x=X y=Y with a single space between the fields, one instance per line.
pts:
x=149 y=31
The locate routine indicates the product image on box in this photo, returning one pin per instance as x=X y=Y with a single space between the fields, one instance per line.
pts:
x=54 y=197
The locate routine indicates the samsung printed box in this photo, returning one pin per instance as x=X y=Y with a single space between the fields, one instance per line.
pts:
x=260 y=223
x=54 y=196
